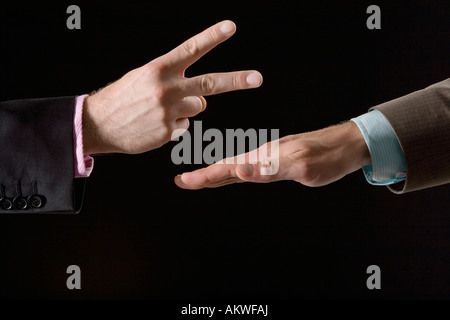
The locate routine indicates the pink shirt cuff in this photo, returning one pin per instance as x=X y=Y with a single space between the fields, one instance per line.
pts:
x=83 y=164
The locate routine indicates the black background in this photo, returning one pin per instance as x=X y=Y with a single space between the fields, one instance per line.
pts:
x=138 y=236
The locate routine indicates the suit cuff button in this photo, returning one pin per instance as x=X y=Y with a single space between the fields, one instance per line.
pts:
x=6 y=204
x=20 y=203
x=35 y=201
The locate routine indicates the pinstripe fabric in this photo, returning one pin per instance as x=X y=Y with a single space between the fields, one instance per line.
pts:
x=421 y=122
x=388 y=163
x=83 y=164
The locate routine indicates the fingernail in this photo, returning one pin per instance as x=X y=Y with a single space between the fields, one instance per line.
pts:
x=203 y=103
x=253 y=79
x=246 y=169
x=227 y=27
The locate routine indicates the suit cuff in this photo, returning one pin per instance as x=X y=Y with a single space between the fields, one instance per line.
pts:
x=388 y=161
x=83 y=164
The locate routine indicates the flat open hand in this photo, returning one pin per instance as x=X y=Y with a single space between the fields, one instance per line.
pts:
x=314 y=159
x=140 y=111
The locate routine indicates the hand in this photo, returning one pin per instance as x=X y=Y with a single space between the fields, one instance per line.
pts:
x=314 y=159
x=140 y=111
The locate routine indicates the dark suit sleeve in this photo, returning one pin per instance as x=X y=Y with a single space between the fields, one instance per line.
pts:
x=421 y=121
x=36 y=157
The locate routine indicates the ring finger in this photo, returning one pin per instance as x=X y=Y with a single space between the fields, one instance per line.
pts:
x=190 y=106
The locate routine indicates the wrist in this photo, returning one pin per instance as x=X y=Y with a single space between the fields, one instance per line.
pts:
x=355 y=146
x=89 y=136
x=327 y=155
x=345 y=147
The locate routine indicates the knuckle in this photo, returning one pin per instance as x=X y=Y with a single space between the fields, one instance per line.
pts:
x=164 y=133
x=309 y=171
x=207 y=84
x=154 y=67
x=235 y=81
x=190 y=47
x=186 y=123
x=213 y=35
x=173 y=129
x=159 y=93
x=162 y=93
x=287 y=138
x=163 y=114
x=196 y=104
x=167 y=131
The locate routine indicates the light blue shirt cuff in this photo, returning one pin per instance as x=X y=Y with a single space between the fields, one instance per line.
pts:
x=388 y=161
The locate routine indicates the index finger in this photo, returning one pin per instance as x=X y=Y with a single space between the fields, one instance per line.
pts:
x=194 y=48
x=217 y=174
x=213 y=176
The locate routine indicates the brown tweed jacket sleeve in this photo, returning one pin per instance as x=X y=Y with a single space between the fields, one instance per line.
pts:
x=421 y=121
